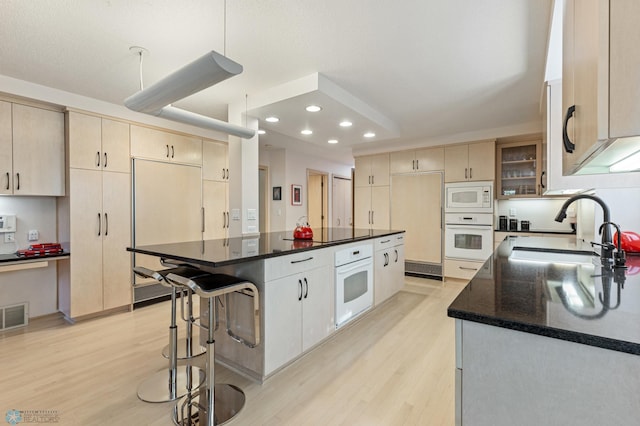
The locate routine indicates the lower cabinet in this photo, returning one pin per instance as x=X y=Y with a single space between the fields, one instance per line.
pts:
x=299 y=313
x=465 y=269
x=389 y=267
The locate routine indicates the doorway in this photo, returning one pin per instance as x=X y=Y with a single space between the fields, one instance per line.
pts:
x=317 y=200
x=341 y=205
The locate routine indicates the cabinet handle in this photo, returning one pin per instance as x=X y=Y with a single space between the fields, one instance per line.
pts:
x=106 y=224
x=568 y=145
x=228 y=224
x=470 y=172
x=99 y=224
x=386 y=259
x=98 y=159
x=541 y=176
x=337 y=219
x=306 y=288
x=417 y=164
x=373 y=179
x=372 y=217
x=223 y=173
x=396 y=261
x=8 y=179
x=467 y=269
x=224 y=220
x=172 y=152
x=227 y=174
x=202 y=209
x=413 y=164
x=18 y=179
x=385 y=241
x=167 y=151
x=465 y=173
x=300 y=294
x=105 y=160
x=300 y=261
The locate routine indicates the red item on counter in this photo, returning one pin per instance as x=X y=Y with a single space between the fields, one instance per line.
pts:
x=42 y=249
x=303 y=233
x=629 y=241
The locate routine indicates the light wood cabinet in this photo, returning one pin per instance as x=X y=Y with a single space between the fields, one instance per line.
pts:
x=519 y=169
x=416 y=207
x=215 y=161
x=420 y=160
x=372 y=170
x=470 y=162
x=98 y=143
x=97 y=215
x=216 y=209
x=33 y=159
x=371 y=205
x=165 y=146
x=599 y=72
x=299 y=313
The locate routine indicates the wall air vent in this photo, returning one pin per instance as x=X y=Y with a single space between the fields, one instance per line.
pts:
x=14 y=316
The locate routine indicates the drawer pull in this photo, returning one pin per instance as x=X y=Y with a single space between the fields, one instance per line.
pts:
x=385 y=241
x=467 y=268
x=303 y=260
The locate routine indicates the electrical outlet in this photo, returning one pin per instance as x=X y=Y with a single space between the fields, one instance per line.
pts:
x=10 y=237
x=512 y=212
x=33 y=235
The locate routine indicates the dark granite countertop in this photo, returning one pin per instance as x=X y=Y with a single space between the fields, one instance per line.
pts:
x=12 y=257
x=581 y=302
x=228 y=251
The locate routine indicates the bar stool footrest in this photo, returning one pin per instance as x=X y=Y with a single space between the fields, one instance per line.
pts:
x=229 y=401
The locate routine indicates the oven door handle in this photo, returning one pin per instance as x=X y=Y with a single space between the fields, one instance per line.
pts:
x=358 y=264
x=479 y=227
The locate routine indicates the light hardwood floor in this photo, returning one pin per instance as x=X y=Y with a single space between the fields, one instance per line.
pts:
x=394 y=366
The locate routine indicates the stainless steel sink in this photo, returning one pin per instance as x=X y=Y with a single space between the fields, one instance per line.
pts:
x=554 y=255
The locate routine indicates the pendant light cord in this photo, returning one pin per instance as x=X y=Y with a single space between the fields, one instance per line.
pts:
x=141 y=58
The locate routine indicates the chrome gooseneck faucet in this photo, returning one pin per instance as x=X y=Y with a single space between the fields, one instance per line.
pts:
x=607 y=241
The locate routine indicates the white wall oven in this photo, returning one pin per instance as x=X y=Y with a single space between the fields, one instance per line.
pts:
x=468 y=236
x=354 y=282
x=476 y=197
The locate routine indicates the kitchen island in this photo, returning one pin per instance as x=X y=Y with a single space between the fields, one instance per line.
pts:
x=292 y=322
x=550 y=336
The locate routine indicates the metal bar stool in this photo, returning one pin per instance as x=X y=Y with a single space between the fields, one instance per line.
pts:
x=217 y=403
x=168 y=385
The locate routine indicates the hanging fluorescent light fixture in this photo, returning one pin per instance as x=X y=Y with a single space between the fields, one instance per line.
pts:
x=210 y=69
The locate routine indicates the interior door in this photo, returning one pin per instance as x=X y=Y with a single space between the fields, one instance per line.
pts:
x=317 y=201
x=167 y=205
x=416 y=202
x=341 y=203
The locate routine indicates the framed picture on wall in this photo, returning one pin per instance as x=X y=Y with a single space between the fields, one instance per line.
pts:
x=296 y=195
x=277 y=193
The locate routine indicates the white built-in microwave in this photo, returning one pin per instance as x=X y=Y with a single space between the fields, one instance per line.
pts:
x=475 y=197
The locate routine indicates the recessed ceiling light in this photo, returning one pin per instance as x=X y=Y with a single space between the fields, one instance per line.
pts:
x=313 y=108
x=346 y=123
x=272 y=119
x=369 y=135
x=332 y=141
x=261 y=132
x=306 y=132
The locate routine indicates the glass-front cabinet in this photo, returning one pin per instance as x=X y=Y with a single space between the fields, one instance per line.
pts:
x=519 y=169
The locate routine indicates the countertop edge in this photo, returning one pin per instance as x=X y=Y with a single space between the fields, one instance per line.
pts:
x=26 y=259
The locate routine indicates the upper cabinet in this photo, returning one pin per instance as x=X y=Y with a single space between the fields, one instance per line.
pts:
x=165 y=146
x=470 y=162
x=32 y=156
x=98 y=143
x=519 y=169
x=372 y=170
x=420 y=160
x=601 y=62
x=215 y=161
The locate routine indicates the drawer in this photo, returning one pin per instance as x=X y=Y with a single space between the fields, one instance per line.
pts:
x=466 y=270
x=389 y=241
x=282 y=266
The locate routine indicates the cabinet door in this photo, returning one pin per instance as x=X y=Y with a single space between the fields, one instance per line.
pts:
x=380 y=207
x=362 y=174
x=87 y=228
x=282 y=321
x=215 y=161
x=397 y=268
x=362 y=207
x=382 y=287
x=416 y=207
x=318 y=306
x=402 y=162
x=159 y=145
x=38 y=151
x=430 y=159
x=216 y=214
x=6 y=150
x=380 y=170
x=456 y=163
x=115 y=146
x=116 y=237
x=482 y=161
x=85 y=146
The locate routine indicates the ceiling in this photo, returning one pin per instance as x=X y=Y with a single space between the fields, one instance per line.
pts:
x=424 y=71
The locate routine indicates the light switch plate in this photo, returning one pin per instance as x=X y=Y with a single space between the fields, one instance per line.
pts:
x=235 y=214
x=512 y=212
x=252 y=214
x=33 y=235
x=9 y=237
